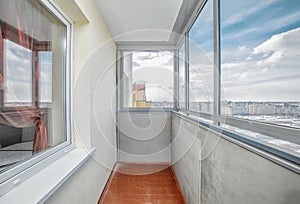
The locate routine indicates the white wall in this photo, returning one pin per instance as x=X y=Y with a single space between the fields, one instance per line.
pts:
x=94 y=60
x=229 y=173
x=145 y=137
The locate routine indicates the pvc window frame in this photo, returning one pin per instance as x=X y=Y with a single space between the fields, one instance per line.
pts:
x=272 y=130
x=141 y=47
x=21 y=172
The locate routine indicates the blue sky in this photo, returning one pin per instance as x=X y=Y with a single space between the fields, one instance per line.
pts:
x=260 y=42
x=252 y=22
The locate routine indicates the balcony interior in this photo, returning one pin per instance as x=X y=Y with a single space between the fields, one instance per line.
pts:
x=126 y=148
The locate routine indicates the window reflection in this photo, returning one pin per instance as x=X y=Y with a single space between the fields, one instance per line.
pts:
x=17 y=75
x=32 y=79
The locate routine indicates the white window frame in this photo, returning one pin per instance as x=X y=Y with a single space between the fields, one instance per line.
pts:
x=271 y=130
x=18 y=174
x=177 y=74
x=120 y=67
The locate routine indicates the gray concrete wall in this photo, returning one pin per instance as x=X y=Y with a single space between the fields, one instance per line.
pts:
x=186 y=148
x=145 y=137
x=229 y=173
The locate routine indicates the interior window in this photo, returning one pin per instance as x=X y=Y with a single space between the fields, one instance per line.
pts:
x=32 y=81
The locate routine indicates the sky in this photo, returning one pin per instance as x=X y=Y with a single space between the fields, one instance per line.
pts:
x=260 y=58
x=45 y=60
x=156 y=70
x=18 y=74
x=201 y=56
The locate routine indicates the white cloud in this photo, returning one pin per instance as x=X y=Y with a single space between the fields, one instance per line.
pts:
x=242 y=48
x=269 y=71
x=147 y=59
x=280 y=50
x=265 y=70
x=286 y=41
x=230 y=65
x=156 y=92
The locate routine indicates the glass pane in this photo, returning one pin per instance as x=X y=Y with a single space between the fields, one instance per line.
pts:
x=260 y=60
x=181 y=72
x=201 y=67
x=17 y=75
x=148 y=79
x=45 y=86
x=32 y=71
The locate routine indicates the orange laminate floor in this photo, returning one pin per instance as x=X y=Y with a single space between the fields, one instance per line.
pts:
x=142 y=183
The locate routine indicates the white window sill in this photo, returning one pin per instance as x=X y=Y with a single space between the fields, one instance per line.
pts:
x=42 y=185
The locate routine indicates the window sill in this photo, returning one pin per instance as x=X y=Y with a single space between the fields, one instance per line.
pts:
x=146 y=110
x=43 y=184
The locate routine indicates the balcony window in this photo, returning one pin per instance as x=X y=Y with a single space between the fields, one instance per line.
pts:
x=260 y=63
x=147 y=79
x=201 y=69
x=252 y=90
x=181 y=78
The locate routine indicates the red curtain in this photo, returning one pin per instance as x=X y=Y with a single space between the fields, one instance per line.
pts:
x=23 y=117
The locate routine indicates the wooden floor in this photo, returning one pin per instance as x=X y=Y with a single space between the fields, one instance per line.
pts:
x=142 y=183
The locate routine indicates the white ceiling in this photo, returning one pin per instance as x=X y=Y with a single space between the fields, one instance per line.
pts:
x=140 y=20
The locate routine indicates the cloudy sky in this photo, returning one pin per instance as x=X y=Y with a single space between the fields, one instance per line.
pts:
x=45 y=60
x=18 y=74
x=260 y=43
x=156 y=70
x=201 y=56
x=260 y=55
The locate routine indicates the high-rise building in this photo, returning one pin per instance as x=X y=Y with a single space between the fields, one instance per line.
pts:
x=139 y=99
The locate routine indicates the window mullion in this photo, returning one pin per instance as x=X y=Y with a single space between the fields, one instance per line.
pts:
x=217 y=85
x=187 y=94
x=1 y=69
x=176 y=100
